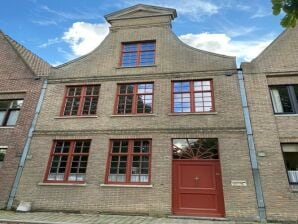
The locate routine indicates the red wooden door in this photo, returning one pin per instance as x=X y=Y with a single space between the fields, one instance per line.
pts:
x=197 y=188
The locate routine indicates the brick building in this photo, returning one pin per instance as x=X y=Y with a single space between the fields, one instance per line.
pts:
x=271 y=82
x=143 y=124
x=19 y=93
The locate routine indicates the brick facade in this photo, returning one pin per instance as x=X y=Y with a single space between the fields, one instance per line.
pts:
x=174 y=61
x=17 y=81
x=276 y=65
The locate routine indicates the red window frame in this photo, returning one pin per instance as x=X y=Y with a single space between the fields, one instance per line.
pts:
x=70 y=154
x=135 y=94
x=192 y=93
x=81 y=100
x=129 y=162
x=138 y=53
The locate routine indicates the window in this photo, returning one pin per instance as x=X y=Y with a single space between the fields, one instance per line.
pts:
x=2 y=154
x=81 y=100
x=138 y=54
x=9 y=112
x=134 y=98
x=195 y=148
x=284 y=99
x=290 y=153
x=68 y=161
x=192 y=96
x=129 y=162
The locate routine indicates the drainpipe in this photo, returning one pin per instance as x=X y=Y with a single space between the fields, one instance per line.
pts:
x=26 y=147
x=252 y=149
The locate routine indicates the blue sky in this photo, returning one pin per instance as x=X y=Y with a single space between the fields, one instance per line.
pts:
x=59 y=31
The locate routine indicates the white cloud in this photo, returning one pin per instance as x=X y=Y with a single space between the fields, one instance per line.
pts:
x=84 y=37
x=260 y=13
x=50 y=42
x=222 y=44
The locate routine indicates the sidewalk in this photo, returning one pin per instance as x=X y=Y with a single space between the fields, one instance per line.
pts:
x=68 y=218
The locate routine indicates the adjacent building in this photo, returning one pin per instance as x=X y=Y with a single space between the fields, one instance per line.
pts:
x=21 y=75
x=271 y=82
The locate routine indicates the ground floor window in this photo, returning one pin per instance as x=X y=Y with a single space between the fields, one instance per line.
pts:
x=129 y=161
x=2 y=154
x=68 y=161
x=290 y=153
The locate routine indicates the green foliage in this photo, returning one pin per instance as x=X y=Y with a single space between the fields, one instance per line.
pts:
x=290 y=8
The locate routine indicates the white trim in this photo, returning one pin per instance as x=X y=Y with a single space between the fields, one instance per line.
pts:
x=74 y=117
x=62 y=184
x=127 y=185
x=198 y=113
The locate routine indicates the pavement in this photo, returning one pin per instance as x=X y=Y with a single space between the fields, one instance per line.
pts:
x=11 y=217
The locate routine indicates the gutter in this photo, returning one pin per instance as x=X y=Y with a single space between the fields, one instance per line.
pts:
x=26 y=147
x=252 y=149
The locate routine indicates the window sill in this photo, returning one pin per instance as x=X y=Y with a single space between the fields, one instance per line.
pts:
x=136 y=66
x=133 y=115
x=182 y=114
x=127 y=185
x=294 y=188
x=6 y=127
x=74 y=117
x=63 y=184
x=286 y=115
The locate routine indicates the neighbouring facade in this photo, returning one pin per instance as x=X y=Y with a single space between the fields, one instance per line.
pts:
x=19 y=93
x=272 y=89
x=144 y=124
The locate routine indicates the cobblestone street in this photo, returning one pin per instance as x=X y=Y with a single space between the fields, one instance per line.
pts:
x=10 y=217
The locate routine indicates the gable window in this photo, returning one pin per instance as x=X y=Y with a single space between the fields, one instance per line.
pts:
x=68 y=161
x=134 y=98
x=81 y=100
x=2 y=154
x=284 y=99
x=138 y=54
x=192 y=96
x=9 y=111
x=290 y=153
x=129 y=161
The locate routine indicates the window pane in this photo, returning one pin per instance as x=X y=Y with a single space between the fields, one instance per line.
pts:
x=2 y=116
x=2 y=154
x=4 y=104
x=13 y=117
x=280 y=99
x=291 y=162
x=148 y=46
x=16 y=104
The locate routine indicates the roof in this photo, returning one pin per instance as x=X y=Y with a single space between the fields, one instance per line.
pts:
x=147 y=11
x=38 y=66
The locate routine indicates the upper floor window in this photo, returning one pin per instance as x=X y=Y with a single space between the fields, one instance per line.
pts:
x=9 y=111
x=192 y=96
x=129 y=161
x=134 y=98
x=138 y=54
x=290 y=153
x=81 y=100
x=284 y=99
x=68 y=161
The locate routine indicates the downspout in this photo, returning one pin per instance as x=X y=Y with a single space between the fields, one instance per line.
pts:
x=26 y=147
x=252 y=149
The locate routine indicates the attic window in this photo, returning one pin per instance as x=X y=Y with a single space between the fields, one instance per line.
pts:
x=138 y=54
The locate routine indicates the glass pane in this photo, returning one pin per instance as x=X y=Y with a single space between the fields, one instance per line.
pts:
x=4 y=104
x=2 y=116
x=195 y=148
x=16 y=104
x=280 y=99
x=130 y=47
x=2 y=154
x=148 y=46
x=13 y=117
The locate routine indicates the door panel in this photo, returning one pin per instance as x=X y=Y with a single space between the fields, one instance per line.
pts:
x=197 y=188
